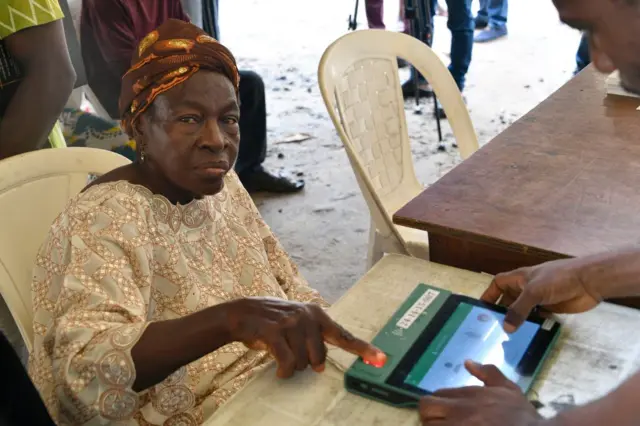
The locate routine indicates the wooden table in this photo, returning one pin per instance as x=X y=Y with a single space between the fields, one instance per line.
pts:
x=593 y=355
x=562 y=181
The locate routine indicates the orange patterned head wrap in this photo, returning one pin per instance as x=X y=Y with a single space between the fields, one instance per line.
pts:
x=165 y=58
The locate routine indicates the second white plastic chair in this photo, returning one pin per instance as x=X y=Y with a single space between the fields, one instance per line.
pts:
x=358 y=77
x=34 y=189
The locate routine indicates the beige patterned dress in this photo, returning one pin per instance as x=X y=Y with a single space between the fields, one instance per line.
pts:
x=120 y=257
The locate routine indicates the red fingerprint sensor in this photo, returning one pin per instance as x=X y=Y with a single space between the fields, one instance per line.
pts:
x=378 y=363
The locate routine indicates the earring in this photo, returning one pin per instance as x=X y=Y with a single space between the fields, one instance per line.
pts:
x=141 y=156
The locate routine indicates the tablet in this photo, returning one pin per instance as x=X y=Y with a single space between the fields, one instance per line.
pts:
x=428 y=339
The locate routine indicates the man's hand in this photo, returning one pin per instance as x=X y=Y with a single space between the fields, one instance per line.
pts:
x=500 y=402
x=294 y=333
x=557 y=286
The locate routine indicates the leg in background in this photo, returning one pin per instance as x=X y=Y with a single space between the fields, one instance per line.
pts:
x=253 y=123
x=253 y=140
x=496 y=11
x=461 y=25
x=482 y=18
x=375 y=13
x=408 y=87
x=403 y=18
x=582 y=56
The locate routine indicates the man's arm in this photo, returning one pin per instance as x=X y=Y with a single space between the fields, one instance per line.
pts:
x=619 y=408
x=567 y=285
x=40 y=97
x=612 y=274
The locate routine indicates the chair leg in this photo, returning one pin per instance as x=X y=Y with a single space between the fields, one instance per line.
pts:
x=375 y=248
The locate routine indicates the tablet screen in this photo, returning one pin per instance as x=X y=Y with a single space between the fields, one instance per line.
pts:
x=475 y=333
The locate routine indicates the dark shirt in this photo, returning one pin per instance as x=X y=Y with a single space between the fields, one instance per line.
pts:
x=110 y=31
x=20 y=403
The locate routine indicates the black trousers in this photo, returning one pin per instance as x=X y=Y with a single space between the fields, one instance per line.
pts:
x=253 y=105
x=253 y=124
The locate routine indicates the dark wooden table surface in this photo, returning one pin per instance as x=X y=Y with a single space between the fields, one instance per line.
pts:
x=562 y=181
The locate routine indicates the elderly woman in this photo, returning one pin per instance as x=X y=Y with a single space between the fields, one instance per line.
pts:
x=160 y=289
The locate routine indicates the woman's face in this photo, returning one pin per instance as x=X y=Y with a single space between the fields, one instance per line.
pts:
x=190 y=135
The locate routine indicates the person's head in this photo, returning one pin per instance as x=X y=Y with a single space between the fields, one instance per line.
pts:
x=613 y=27
x=179 y=101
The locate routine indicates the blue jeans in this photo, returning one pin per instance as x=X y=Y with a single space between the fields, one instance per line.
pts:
x=461 y=25
x=583 y=58
x=494 y=12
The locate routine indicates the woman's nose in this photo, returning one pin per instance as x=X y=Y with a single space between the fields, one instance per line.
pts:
x=212 y=136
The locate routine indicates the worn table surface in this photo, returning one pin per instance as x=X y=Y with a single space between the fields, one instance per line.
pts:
x=593 y=355
x=562 y=181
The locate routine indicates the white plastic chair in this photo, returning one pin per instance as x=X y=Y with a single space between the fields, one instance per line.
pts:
x=358 y=77
x=34 y=189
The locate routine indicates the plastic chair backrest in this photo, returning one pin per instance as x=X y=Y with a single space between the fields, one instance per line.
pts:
x=34 y=189
x=358 y=77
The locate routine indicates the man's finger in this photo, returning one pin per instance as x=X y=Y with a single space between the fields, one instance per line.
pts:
x=520 y=309
x=463 y=392
x=338 y=336
x=493 y=293
x=435 y=408
x=489 y=375
x=501 y=284
x=284 y=357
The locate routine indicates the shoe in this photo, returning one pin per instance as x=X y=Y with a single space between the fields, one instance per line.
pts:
x=490 y=34
x=260 y=180
x=481 y=23
x=409 y=89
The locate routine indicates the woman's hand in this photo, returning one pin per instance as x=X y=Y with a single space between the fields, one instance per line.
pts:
x=294 y=333
x=557 y=286
x=499 y=402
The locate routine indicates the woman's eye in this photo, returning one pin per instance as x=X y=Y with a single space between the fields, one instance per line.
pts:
x=189 y=119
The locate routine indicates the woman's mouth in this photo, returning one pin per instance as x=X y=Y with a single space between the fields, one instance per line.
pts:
x=215 y=169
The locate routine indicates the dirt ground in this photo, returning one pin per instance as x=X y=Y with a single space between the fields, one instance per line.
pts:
x=325 y=228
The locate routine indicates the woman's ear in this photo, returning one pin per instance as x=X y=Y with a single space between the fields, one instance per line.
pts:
x=138 y=128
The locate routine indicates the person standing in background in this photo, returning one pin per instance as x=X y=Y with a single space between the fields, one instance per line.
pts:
x=33 y=40
x=492 y=20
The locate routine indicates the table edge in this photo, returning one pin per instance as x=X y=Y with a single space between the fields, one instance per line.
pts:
x=477 y=238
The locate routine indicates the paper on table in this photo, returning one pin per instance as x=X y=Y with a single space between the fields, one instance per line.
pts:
x=614 y=87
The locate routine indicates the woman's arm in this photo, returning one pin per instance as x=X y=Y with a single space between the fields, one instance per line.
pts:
x=166 y=346
x=42 y=54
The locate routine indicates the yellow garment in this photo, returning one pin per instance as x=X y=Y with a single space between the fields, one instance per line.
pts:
x=16 y=15
x=119 y=257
